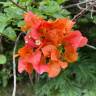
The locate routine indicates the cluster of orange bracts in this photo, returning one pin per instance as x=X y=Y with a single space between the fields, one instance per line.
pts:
x=49 y=45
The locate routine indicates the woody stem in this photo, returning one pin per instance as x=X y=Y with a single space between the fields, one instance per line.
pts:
x=21 y=7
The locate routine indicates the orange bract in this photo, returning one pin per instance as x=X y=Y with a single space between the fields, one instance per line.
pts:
x=25 y=51
x=30 y=21
x=63 y=65
x=56 y=30
x=23 y=65
x=47 y=50
x=53 y=69
x=70 y=54
x=65 y=25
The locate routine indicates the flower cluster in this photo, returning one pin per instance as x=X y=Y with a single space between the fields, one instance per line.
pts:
x=49 y=45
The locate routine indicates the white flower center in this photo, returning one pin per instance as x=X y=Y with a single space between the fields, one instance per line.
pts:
x=37 y=42
x=26 y=41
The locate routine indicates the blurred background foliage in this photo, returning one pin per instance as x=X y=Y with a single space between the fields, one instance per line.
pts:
x=78 y=80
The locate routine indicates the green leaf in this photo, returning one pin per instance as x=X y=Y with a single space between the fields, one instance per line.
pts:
x=13 y=12
x=10 y=33
x=4 y=19
x=2 y=27
x=61 y=1
x=52 y=8
x=2 y=59
x=23 y=0
x=6 y=4
x=49 y=6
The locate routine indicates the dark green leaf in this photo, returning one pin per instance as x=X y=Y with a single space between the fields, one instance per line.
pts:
x=10 y=33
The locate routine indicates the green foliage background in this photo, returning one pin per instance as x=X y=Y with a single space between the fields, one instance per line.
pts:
x=77 y=80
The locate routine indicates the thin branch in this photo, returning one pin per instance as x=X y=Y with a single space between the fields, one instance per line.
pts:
x=90 y=46
x=72 y=5
x=14 y=64
x=21 y=7
x=31 y=79
x=78 y=15
x=91 y=5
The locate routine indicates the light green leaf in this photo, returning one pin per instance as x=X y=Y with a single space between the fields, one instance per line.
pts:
x=13 y=12
x=23 y=0
x=4 y=18
x=2 y=27
x=2 y=59
x=52 y=8
x=61 y=1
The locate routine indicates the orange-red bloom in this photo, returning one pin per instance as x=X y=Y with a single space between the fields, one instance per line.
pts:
x=41 y=51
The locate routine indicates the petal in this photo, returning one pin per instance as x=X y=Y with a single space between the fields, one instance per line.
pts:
x=34 y=34
x=30 y=21
x=35 y=58
x=24 y=66
x=47 y=50
x=21 y=65
x=55 y=55
x=28 y=68
x=64 y=23
x=69 y=24
x=70 y=54
x=75 y=39
x=83 y=42
x=63 y=65
x=41 y=68
x=24 y=51
x=53 y=69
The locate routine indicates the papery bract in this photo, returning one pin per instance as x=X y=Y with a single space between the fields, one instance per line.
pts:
x=54 y=68
x=23 y=64
x=30 y=21
x=70 y=54
x=75 y=39
x=56 y=30
x=47 y=50
x=35 y=61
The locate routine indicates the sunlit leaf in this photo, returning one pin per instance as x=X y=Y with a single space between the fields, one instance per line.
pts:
x=2 y=59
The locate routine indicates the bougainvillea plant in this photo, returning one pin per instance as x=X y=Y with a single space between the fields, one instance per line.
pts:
x=49 y=45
